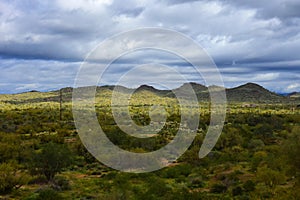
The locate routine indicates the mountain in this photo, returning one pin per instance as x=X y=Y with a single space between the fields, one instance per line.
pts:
x=215 y=88
x=294 y=95
x=198 y=88
x=201 y=91
x=148 y=88
x=112 y=87
x=251 y=92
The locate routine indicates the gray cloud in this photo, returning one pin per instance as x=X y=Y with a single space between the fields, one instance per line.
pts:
x=283 y=9
x=245 y=38
x=24 y=75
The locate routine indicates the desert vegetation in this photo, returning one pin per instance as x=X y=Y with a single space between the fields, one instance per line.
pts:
x=42 y=157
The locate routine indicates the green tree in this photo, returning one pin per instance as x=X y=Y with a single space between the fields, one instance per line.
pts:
x=51 y=159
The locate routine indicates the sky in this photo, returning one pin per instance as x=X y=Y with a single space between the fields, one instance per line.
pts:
x=43 y=43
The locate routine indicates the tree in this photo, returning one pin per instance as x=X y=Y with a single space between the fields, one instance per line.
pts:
x=52 y=159
x=264 y=132
x=11 y=177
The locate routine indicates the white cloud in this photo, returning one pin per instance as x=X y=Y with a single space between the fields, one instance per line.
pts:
x=86 y=5
x=293 y=87
x=30 y=86
x=263 y=36
x=263 y=77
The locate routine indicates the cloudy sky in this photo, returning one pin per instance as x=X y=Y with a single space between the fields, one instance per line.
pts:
x=43 y=43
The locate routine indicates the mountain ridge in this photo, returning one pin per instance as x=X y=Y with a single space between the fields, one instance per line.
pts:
x=248 y=92
x=252 y=92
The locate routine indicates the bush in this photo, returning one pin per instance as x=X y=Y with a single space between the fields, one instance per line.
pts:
x=176 y=171
x=38 y=180
x=48 y=194
x=249 y=186
x=11 y=147
x=196 y=182
x=237 y=191
x=157 y=189
x=61 y=183
x=269 y=177
x=256 y=145
x=10 y=178
x=291 y=151
x=218 y=188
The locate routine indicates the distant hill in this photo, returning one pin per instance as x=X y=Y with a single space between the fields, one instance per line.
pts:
x=148 y=88
x=252 y=92
x=294 y=95
x=112 y=87
x=249 y=92
x=215 y=88
x=201 y=91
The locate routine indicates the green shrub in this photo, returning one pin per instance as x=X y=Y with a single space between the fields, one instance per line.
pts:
x=269 y=177
x=236 y=191
x=218 y=188
x=196 y=182
x=249 y=186
x=157 y=188
x=48 y=194
x=38 y=180
x=11 y=178
x=176 y=171
x=60 y=183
